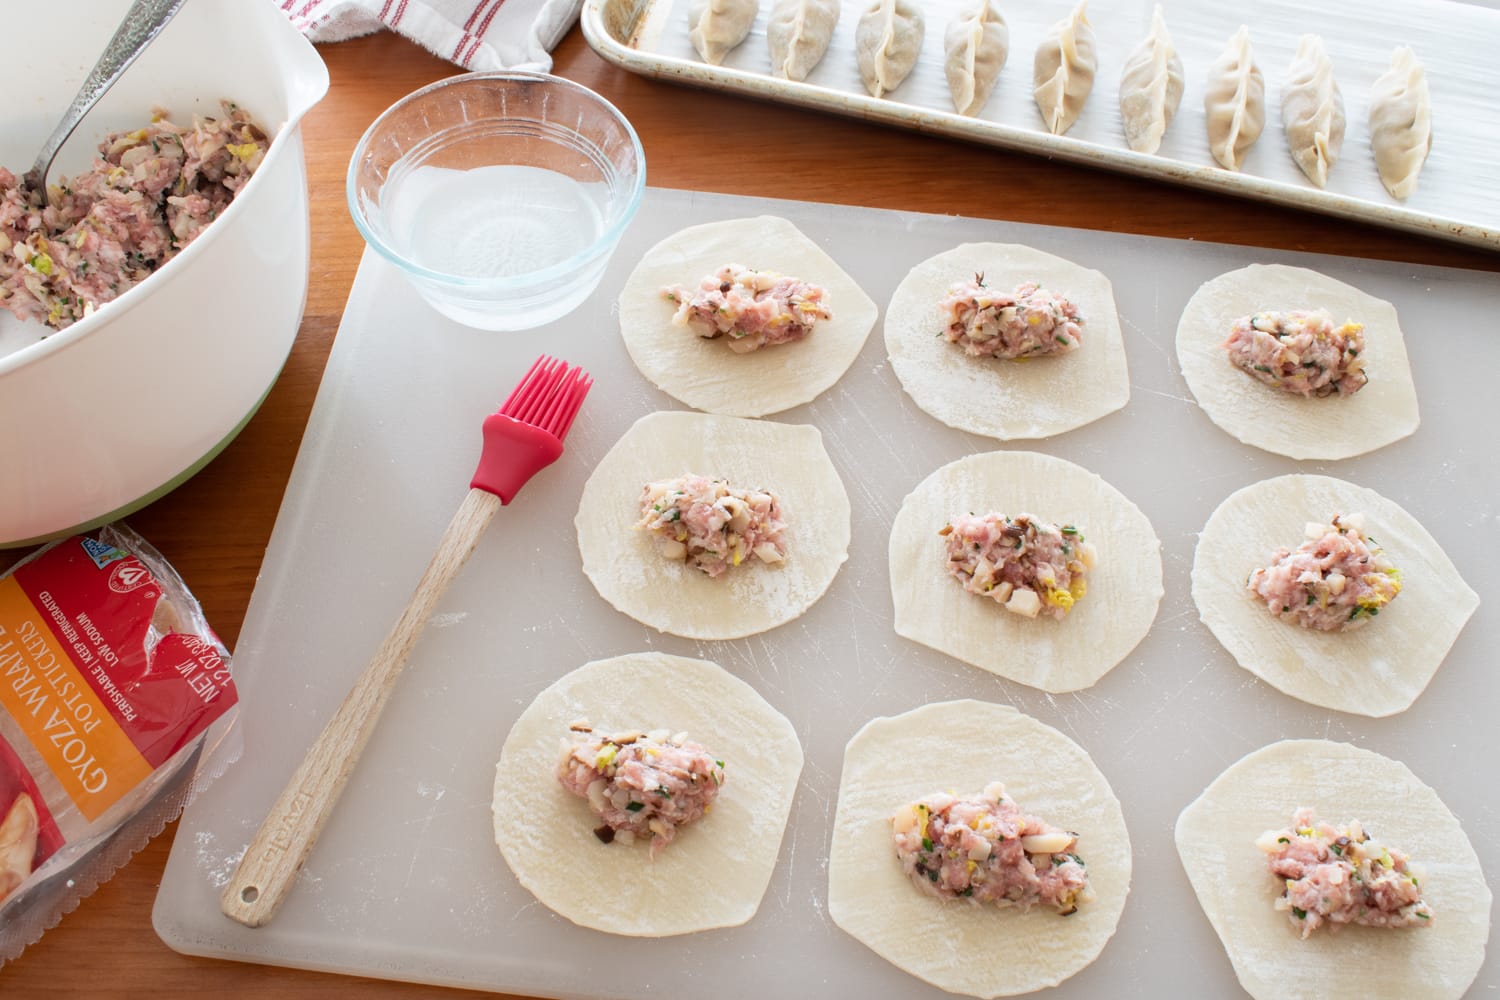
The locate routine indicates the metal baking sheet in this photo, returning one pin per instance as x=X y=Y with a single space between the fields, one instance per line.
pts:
x=406 y=882
x=1456 y=198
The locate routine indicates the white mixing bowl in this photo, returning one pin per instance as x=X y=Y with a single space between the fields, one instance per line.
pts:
x=103 y=417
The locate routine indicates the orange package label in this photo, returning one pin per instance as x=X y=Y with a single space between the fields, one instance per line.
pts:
x=42 y=688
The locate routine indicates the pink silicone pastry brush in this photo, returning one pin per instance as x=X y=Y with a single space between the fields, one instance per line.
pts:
x=525 y=436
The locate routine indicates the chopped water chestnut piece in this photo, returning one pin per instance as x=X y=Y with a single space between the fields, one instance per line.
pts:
x=751 y=309
x=1341 y=876
x=641 y=784
x=983 y=848
x=1027 y=566
x=1336 y=580
x=1300 y=352
x=712 y=525
x=1029 y=322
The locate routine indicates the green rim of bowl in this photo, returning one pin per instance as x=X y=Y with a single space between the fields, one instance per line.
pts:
x=149 y=498
x=602 y=247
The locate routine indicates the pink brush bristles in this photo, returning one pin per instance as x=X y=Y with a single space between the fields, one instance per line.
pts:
x=527 y=434
x=549 y=396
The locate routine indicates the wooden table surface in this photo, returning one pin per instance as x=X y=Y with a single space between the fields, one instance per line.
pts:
x=215 y=528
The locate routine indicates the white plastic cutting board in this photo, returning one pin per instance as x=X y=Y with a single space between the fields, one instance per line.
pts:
x=406 y=883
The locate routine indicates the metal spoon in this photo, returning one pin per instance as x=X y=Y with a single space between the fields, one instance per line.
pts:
x=142 y=23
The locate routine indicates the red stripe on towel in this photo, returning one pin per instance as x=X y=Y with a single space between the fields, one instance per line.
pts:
x=474 y=14
x=467 y=38
x=483 y=27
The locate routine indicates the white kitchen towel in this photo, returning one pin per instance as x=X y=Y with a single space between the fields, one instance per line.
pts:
x=474 y=34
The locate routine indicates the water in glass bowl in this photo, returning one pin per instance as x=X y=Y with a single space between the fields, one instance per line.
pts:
x=494 y=221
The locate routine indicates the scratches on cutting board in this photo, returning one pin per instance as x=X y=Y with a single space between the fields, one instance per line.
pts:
x=1145 y=727
x=1175 y=397
x=795 y=831
x=814 y=783
x=1187 y=615
x=525 y=908
x=846 y=441
x=1136 y=336
x=756 y=653
x=422 y=838
x=768 y=652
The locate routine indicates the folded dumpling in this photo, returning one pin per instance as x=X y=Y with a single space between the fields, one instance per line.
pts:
x=716 y=26
x=1235 y=102
x=974 y=50
x=799 y=32
x=1312 y=110
x=1401 y=123
x=1150 y=88
x=1063 y=73
x=887 y=41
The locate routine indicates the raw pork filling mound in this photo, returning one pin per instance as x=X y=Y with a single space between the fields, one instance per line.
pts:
x=1025 y=565
x=1299 y=352
x=982 y=848
x=1340 y=876
x=1027 y=323
x=753 y=309
x=1336 y=580
x=710 y=524
x=81 y=243
x=639 y=783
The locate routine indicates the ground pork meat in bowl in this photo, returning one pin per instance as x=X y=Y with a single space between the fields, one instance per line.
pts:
x=138 y=392
x=84 y=240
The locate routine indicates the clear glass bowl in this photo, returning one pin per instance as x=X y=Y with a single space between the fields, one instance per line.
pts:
x=500 y=196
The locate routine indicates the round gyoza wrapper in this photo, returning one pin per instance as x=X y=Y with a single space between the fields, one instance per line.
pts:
x=705 y=373
x=1124 y=588
x=716 y=870
x=630 y=572
x=959 y=747
x=1216 y=837
x=1007 y=399
x=1334 y=427
x=1376 y=670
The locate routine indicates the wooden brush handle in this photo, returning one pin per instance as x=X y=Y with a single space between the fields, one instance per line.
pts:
x=290 y=829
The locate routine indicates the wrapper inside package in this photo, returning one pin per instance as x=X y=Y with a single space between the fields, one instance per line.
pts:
x=116 y=704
